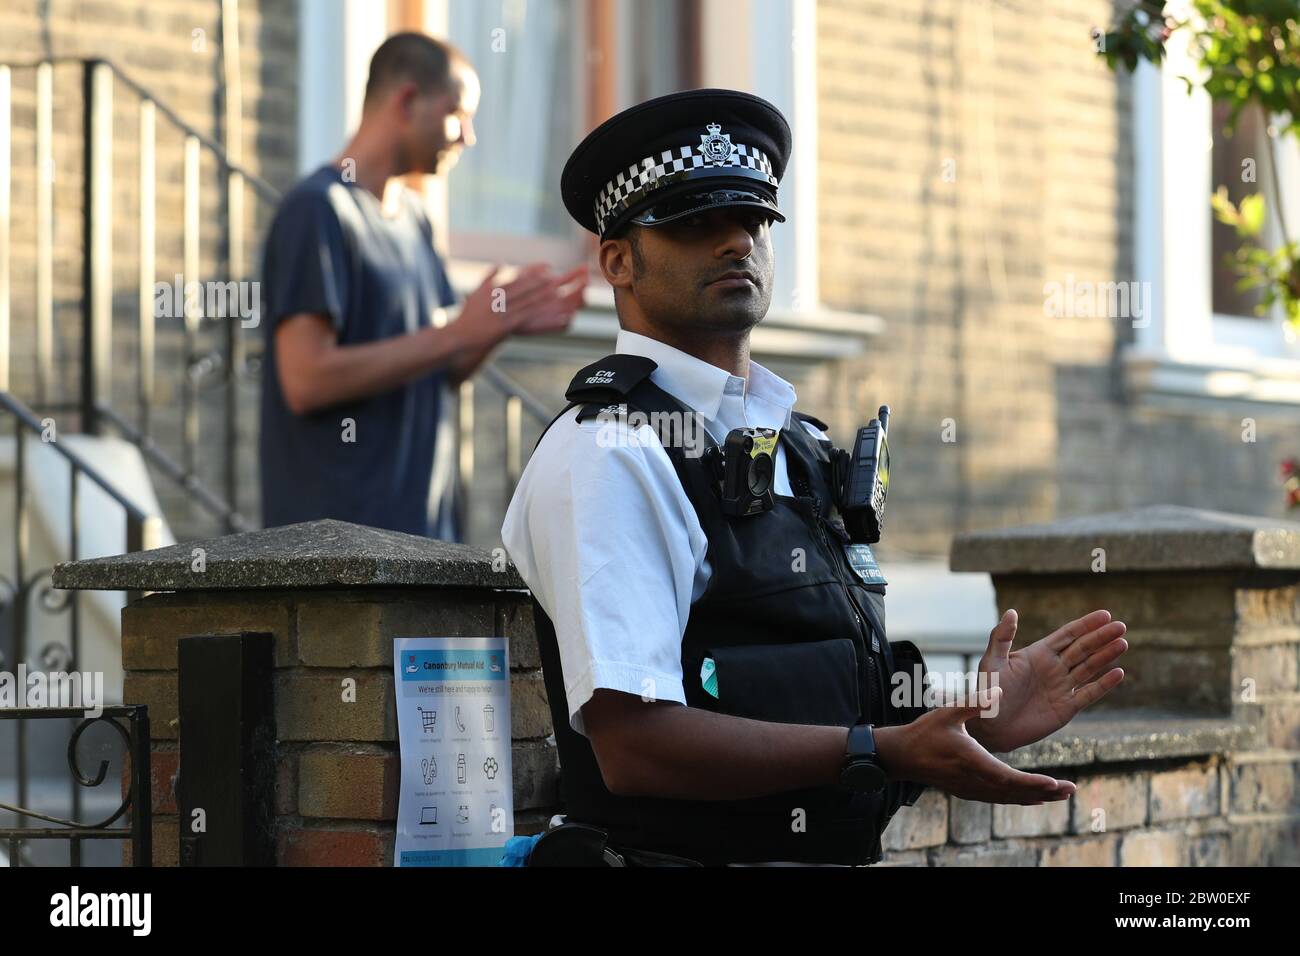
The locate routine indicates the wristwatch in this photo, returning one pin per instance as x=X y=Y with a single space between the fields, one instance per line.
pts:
x=862 y=772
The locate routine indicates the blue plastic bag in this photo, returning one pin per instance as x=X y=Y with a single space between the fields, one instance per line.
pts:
x=517 y=850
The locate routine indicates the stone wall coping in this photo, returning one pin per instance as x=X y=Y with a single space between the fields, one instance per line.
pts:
x=1152 y=538
x=1132 y=736
x=313 y=554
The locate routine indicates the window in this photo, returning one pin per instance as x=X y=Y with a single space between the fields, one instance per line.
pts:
x=657 y=49
x=523 y=51
x=1242 y=163
x=502 y=203
x=1201 y=337
x=550 y=71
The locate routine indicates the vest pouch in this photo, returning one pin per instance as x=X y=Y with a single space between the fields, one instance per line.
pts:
x=908 y=662
x=811 y=683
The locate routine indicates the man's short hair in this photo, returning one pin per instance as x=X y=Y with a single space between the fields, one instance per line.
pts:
x=412 y=57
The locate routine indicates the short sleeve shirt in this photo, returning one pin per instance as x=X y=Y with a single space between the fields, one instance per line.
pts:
x=607 y=540
x=332 y=250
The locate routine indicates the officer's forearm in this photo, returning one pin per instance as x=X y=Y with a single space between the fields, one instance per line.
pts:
x=667 y=750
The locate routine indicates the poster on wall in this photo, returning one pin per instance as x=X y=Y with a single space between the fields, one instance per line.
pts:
x=453 y=725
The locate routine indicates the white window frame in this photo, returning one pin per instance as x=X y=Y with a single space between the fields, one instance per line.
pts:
x=778 y=63
x=337 y=38
x=745 y=44
x=1183 y=347
x=749 y=45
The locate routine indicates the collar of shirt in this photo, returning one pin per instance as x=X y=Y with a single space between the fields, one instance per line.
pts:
x=718 y=396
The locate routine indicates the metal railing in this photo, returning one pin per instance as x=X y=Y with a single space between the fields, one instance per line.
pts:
x=137 y=799
x=94 y=400
x=26 y=583
x=93 y=406
x=226 y=362
x=517 y=402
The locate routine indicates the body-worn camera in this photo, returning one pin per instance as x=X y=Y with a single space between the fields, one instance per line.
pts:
x=746 y=466
x=862 y=480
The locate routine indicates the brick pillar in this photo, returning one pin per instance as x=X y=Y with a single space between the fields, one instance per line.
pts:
x=333 y=596
x=1212 y=603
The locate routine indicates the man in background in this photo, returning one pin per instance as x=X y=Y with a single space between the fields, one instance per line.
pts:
x=358 y=343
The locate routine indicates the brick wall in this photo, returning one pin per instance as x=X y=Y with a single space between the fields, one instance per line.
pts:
x=1194 y=758
x=1012 y=101
x=1174 y=815
x=969 y=154
x=337 y=765
x=174 y=51
x=1154 y=801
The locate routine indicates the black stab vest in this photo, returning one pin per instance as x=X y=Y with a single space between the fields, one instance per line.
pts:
x=795 y=635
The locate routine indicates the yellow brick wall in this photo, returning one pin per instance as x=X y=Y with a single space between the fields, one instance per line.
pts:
x=1038 y=132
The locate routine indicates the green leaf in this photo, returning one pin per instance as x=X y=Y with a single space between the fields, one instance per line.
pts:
x=1224 y=210
x=1253 y=209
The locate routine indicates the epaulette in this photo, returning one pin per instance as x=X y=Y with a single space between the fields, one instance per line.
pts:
x=593 y=409
x=610 y=378
x=602 y=384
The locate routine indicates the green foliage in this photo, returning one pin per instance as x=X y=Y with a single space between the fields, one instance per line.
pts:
x=1138 y=35
x=1272 y=270
x=1250 y=54
x=1247 y=219
x=1250 y=49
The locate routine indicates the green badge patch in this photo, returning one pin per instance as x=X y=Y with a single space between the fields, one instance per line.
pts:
x=709 y=677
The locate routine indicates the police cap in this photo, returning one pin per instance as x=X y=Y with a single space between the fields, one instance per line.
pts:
x=675 y=156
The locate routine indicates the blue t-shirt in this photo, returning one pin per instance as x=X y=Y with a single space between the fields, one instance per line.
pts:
x=331 y=250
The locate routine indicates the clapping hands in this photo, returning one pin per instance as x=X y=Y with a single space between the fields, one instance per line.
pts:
x=536 y=301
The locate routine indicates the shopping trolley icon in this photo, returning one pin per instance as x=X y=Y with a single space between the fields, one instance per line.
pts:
x=429 y=718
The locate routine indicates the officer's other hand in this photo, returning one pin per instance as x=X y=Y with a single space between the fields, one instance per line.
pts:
x=936 y=749
x=1045 y=684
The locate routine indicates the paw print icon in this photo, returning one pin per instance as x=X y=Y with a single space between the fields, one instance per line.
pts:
x=490 y=768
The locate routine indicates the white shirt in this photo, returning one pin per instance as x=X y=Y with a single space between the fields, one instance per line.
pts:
x=605 y=537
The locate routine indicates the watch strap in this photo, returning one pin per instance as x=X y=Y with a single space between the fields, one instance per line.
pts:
x=861 y=742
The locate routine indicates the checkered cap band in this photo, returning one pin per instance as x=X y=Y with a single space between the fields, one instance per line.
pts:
x=642 y=178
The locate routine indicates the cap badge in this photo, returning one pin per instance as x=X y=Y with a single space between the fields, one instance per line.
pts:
x=716 y=145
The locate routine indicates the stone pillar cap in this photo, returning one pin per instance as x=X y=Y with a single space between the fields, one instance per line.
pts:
x=313 y=554
x=1153 y=538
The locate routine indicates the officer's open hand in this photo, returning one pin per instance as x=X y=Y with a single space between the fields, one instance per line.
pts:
x=1045 y=684
x=936 y=749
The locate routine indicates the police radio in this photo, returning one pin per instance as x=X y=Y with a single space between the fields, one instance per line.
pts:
x=863 y=480
x=746 y=466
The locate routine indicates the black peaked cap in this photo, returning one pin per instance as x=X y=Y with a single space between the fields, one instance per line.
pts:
x=674 y=145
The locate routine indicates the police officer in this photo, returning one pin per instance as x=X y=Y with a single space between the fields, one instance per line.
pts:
x=720 y=682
